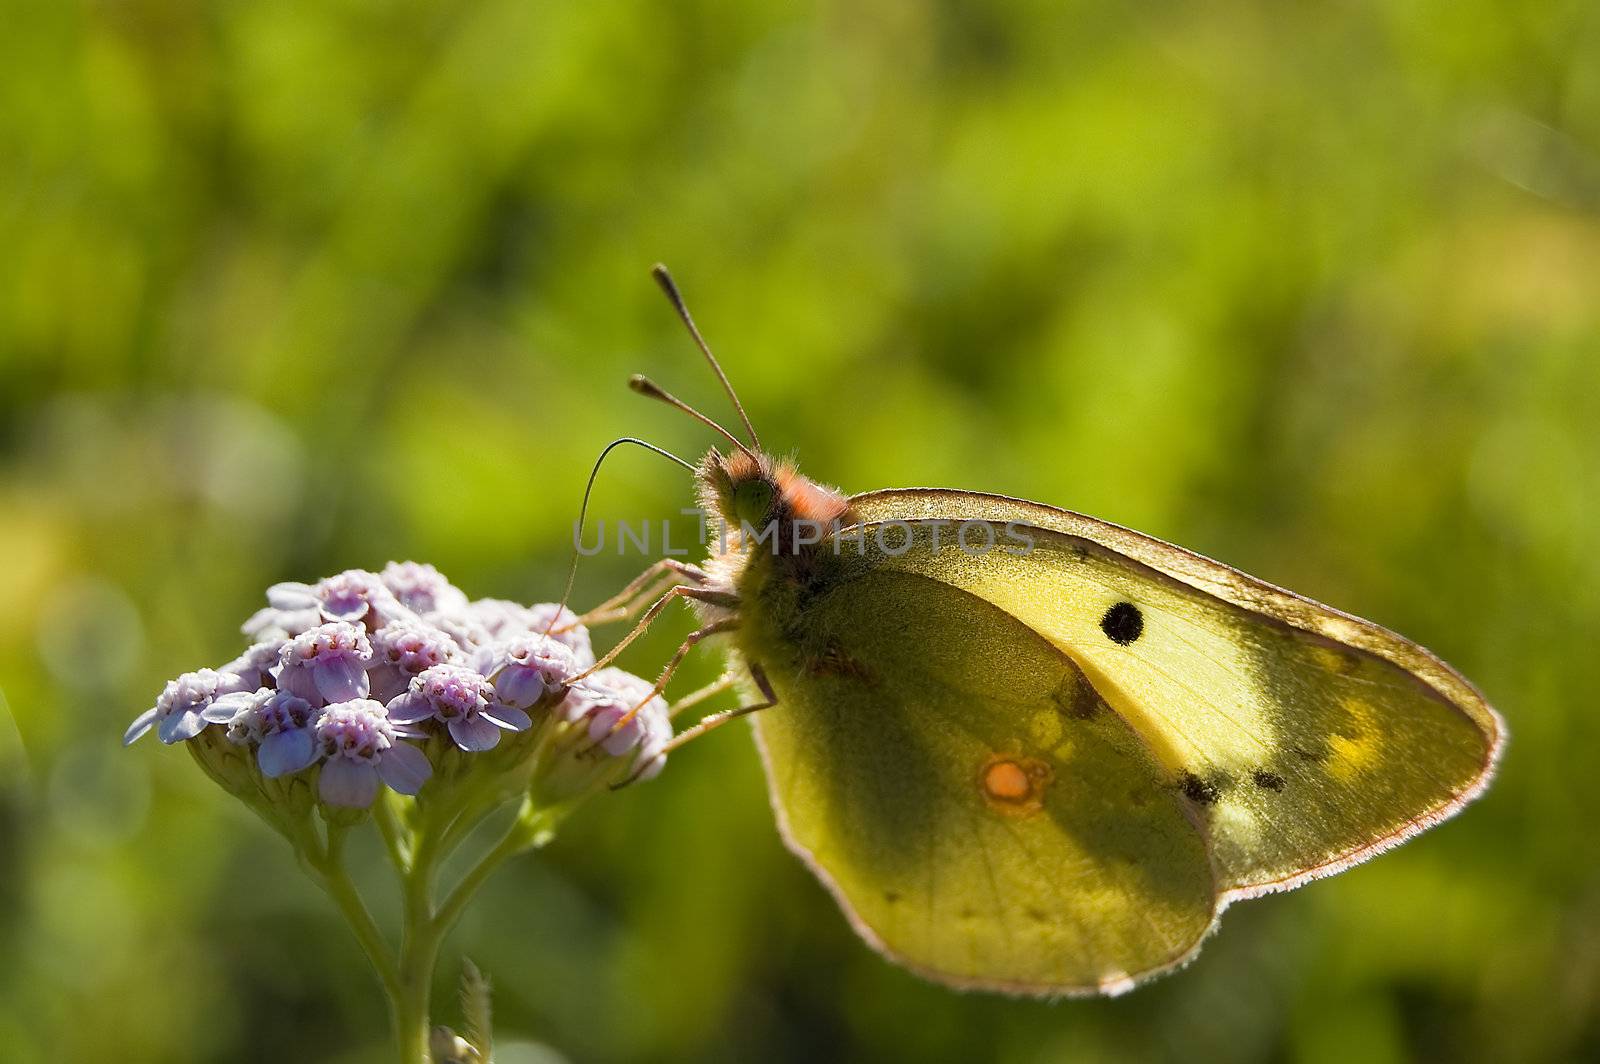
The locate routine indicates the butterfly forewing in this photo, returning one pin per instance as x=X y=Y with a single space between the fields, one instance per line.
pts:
x=1302 y=739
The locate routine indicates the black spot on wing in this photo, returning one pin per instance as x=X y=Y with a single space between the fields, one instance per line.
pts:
x=1270 y=781
x=1198 y=790
x=1122 y=623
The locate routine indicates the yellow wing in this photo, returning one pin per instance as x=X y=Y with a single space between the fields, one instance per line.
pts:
x=1305 y=739
x=977 y=810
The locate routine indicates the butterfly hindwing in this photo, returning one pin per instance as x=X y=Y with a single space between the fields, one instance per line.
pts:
x=970 y=799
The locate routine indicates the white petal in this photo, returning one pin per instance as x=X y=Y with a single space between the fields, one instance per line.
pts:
x=292 y=596
x=404 y=768
x=340 y=681
x=474 y=733
x=508 y=717
x=352 y=784
x=180 y=727
x=409 y=708
x=296 y=679
x=141 y=724
x=286 y=752
x=224 y=709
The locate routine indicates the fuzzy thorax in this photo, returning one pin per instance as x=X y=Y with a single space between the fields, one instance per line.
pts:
x=754 y=493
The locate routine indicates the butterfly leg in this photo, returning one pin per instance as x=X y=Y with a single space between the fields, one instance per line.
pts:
x=631 y=599
x=725 y=599
x=694 y=698
x=769 y=698
x=715 y=628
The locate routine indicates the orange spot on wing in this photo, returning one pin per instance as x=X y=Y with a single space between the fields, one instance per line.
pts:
x=1014 y=786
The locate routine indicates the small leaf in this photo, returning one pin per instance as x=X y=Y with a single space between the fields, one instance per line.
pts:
x=476 y=1010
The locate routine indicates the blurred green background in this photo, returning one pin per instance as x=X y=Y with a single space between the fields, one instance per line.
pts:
x=295 y=287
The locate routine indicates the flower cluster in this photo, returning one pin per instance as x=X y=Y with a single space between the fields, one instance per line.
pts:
x=374 y=679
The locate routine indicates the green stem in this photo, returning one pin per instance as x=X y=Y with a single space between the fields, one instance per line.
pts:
x=526 y=831
x=334 y=879
x=416 y=855
x=383 y=813
x=427 y=926
x=409 y=1004
x=419 y=945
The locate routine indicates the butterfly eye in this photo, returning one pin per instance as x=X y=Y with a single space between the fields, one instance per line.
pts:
x=752 y=499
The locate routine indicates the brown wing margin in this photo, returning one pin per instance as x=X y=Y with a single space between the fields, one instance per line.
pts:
x=1240 y=590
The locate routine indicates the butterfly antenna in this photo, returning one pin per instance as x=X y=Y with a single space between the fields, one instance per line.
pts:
x=583 y=513
x=649 y=388
x=664 y=279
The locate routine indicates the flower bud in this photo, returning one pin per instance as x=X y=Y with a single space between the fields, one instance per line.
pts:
x=600 y=738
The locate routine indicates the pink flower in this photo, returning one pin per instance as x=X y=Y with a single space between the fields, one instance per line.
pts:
x=601 y=701
x=326 y=664
x=464 y=701
x=363 y=748
x=258 y=666
x=280 y=725
x=405 y=649
x=358 y=596
x=525 y=668
x=565 y=630
x=422 y=588
x=186 y=705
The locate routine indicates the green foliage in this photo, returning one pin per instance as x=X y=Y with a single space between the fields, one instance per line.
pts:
x=295 y=287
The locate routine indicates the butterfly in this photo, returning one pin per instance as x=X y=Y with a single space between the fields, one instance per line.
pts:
x=1033 y=752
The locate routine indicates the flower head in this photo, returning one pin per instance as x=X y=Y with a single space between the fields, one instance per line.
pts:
x=186 y=705
x=464 y=701
x=603 y=703
x=281 y=726
x=404 y=649
x=526 y=668
x=362 y=748
x=326 y=664
x=422 y=588
x=355 y=596
x=343 y=669
x=258 y=666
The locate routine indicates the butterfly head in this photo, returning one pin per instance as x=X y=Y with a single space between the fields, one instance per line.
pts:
x=750 y=489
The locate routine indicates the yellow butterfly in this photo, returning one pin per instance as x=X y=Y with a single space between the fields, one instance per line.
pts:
x=1034 y=752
